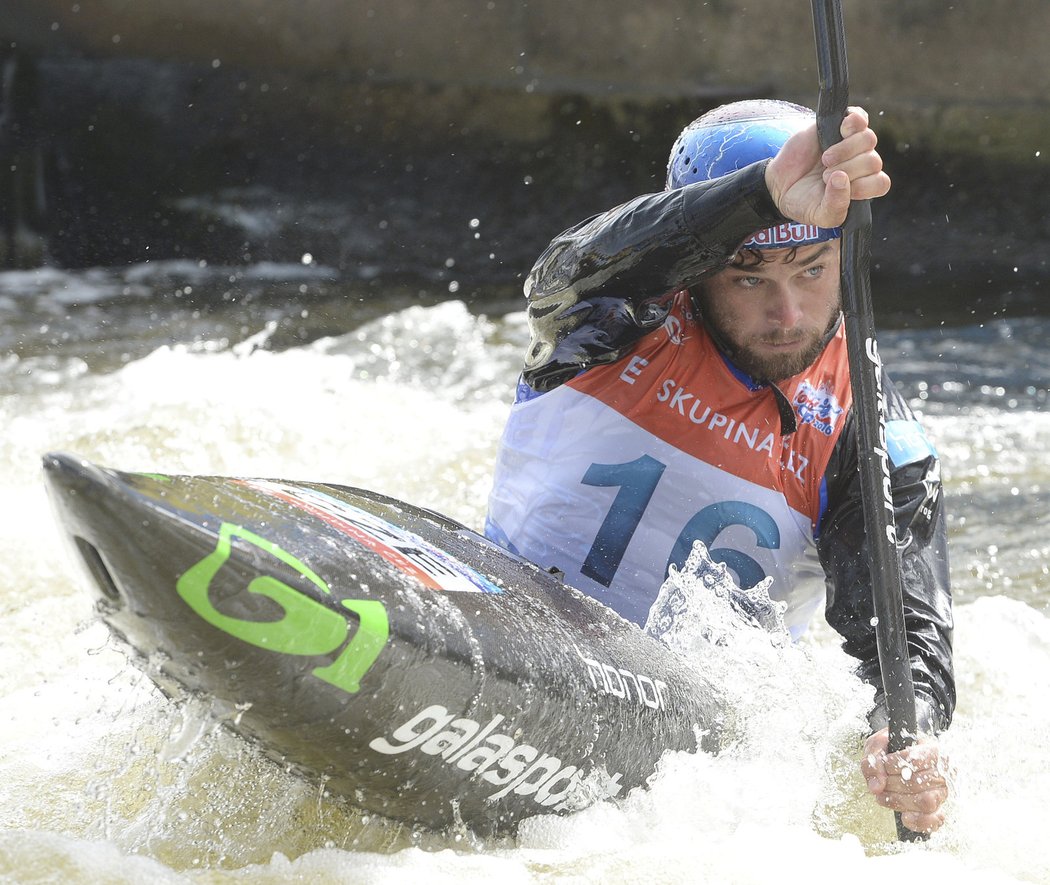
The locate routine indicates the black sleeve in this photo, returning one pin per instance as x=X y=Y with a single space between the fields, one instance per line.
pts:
x=600 y=286
x=920 y=519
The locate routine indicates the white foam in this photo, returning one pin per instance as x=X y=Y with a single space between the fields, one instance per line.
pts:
x=414 y=407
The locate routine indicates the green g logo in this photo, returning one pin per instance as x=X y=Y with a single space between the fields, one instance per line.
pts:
x=307 y=628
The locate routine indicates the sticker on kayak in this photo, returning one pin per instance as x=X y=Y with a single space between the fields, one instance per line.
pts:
x=433 y=567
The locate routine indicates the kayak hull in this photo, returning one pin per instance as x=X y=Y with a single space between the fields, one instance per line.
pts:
x=417 y=669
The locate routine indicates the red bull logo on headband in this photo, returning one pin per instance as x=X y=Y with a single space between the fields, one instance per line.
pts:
x=791 y=234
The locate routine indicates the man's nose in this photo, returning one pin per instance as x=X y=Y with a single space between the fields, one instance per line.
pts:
x=785 y=308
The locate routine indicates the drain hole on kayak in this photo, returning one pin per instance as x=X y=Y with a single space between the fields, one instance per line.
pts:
x=98 y=569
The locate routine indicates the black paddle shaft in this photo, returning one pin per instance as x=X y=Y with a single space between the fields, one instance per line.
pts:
x=868 y=398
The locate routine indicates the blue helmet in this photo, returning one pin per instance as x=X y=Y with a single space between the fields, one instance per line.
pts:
x=736 y=135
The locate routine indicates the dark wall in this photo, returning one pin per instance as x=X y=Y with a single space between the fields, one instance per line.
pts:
x=380 y=131
x=951 y=73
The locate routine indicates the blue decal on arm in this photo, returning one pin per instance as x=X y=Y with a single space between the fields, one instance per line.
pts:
x=906 y=443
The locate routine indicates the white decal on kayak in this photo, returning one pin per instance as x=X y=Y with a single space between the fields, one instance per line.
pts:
x=497 y=758
x=624 y=684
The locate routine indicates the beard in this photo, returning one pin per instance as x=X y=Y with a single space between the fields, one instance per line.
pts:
x=748 y=355
x=776 y=367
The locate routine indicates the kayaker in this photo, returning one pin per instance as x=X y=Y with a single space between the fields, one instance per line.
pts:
x=687 y=380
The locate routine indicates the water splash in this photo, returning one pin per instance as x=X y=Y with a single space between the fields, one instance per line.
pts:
x=700 y=602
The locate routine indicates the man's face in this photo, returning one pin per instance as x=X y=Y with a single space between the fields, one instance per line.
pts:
x=775 y=314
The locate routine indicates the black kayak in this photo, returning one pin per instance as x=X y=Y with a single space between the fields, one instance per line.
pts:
x=413 y=666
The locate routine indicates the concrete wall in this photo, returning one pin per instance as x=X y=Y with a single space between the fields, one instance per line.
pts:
x=959 y=75
x=532 y=113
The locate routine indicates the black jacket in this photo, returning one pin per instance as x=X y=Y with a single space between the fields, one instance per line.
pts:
x=603 y=284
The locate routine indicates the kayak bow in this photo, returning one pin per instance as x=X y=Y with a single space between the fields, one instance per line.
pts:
x=419 y=670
